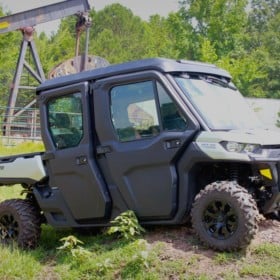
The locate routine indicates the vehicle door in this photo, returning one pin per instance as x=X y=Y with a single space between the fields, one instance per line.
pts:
x=142 y=127
x=65 y=115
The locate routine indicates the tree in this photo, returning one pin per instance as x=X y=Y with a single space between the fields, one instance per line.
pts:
x=159 y=38
x=118 y=35
x=244 y=41
x=219 y=21
x=263 y=39
x=180 y=33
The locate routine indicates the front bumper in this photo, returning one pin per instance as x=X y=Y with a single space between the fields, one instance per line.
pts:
x=270 y=161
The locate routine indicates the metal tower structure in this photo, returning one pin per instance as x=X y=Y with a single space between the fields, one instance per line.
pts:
x=25 y=22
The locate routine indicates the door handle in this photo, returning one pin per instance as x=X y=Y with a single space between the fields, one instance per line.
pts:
x=101 y=150
x=81 y=160
x=173 y=143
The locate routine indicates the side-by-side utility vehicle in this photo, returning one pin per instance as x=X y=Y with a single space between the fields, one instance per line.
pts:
x=167 y=139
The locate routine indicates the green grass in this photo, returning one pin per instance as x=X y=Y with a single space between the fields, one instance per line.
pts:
x=10 y=192
x=265 y=262
x=22 y=148
x=105 y=257
x=109 y=258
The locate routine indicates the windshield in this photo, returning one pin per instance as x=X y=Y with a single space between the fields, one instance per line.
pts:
x=219 y=103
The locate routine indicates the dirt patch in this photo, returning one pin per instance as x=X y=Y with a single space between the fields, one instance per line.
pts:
x=180 y=243
x=48 y=271
x=269 y=231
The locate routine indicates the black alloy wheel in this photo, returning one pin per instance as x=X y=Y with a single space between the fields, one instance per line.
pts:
x=225 y=216
x=220 y=220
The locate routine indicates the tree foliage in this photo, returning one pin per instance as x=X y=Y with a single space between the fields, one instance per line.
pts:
x=241 y=36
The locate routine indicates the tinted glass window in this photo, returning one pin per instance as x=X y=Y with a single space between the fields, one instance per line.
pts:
x=134 y=111
x=171 y=117
x=65 y=120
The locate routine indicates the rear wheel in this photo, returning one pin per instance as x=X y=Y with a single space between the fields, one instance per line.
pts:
x=224 y=216
x=20 y=223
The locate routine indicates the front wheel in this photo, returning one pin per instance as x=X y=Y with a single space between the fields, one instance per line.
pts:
x=19 y=222
x=224 y=216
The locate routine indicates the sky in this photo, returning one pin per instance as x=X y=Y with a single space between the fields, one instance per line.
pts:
x=142 y=8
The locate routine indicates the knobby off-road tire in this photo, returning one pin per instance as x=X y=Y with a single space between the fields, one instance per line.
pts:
x=19 y=222
x=225 y=216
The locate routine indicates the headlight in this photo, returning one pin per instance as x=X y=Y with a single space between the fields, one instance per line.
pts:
x=236 y=147
x=251 y=148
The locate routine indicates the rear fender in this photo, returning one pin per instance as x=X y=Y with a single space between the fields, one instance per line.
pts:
x=21 y=169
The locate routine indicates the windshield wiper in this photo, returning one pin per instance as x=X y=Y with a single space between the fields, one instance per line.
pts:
x=217 y=81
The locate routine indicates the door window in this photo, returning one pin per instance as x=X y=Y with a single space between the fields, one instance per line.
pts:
x=134 y=111
x=136 y=115
x=171 y=117
x=65 y=120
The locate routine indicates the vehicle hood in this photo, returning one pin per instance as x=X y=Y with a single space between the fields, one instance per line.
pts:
x=259 y=136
